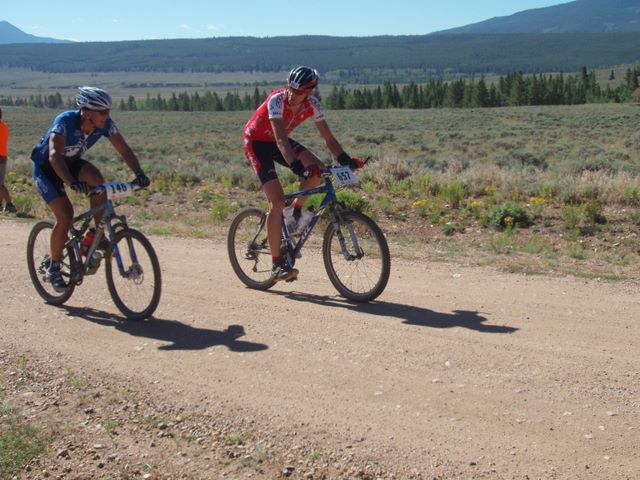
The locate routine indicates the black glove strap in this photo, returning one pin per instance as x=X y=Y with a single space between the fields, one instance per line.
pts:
x=297 y=167
x=344 y=159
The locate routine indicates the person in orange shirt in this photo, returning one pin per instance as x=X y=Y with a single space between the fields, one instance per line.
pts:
x=4 y=144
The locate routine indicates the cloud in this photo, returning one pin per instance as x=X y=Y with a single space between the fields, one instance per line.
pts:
x=214 y=28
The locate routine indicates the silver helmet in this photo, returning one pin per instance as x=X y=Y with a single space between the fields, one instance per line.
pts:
x=93 y=98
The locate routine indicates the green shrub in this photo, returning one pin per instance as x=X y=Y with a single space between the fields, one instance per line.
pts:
x=577 y=251
x=631 y=195
x=449 y=228
x=584 y=216
x=507 y=216
x=351 y=200
x=24 y=205
x=571 y=216
x=454 y=193
x=548 y=190
x=593 y=212
x=503 y=243
x=386 y=204
x=220 y=210
x=521 y=160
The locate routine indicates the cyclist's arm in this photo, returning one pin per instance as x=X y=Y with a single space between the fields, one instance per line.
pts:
x=332 y=144
x=56 y=150
x=123 y=148
x=282 y=139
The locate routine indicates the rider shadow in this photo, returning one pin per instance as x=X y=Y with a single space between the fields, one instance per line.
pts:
x=183 y=337
x=409 y=314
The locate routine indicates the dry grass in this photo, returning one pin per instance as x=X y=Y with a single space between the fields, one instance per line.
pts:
x=437 y=176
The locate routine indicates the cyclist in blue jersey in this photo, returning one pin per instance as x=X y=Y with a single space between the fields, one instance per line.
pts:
x=57 y=161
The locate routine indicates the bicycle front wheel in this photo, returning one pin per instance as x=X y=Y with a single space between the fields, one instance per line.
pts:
x=135 y=282
x=248 y=248
x=38 y=259
x=356 y=257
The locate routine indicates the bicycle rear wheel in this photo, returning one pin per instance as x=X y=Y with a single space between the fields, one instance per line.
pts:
x=38 y=258
x=136 y=289
x=248 y=248
x=363 y=273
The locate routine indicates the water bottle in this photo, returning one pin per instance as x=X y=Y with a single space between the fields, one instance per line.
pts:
x=289 y=219
x=87 y=240
x=305 y=218
x=94 y=262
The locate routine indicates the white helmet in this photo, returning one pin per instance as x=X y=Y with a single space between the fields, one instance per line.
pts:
x=93 y=98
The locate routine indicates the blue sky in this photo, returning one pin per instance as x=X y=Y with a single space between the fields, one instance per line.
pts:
x=114 y=20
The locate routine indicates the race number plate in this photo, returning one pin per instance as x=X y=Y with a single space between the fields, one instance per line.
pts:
x=118 y=189
x=344 y=176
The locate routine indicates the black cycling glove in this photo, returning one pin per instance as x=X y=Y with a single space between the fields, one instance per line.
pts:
x=344 y=160
x=297 y=167
x=142 y=180
x=80 y=187
x=354 y=163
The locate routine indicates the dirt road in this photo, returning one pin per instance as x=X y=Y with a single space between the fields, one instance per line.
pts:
x=453 y=373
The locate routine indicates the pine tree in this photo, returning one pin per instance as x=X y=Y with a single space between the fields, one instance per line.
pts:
x=481 y=94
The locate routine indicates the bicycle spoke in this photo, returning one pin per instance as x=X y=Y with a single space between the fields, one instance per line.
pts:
x=133 y=275
x=248 y=248
x=357 y=257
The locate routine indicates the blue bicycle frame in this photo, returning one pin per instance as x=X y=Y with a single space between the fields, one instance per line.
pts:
x=105 y=224
x=329 y=199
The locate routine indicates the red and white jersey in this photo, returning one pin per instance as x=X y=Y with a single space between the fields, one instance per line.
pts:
x=276 y=106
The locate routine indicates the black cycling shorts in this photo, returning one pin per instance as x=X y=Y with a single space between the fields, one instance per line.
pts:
x=264 y=155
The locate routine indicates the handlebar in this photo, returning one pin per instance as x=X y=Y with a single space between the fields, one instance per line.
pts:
x=327 y=171
x=115 y=189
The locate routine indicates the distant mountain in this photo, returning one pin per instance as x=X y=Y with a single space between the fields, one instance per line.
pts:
x=579 y=16
x=11 y=34
x=366 y=57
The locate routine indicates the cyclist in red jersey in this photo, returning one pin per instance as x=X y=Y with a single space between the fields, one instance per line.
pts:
x=266 y=140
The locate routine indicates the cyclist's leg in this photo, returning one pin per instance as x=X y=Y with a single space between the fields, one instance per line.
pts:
x=87 y=172
x=275 y=197
x=308 y=159
x=262 y=156
x=51 y=189
x=63 y=211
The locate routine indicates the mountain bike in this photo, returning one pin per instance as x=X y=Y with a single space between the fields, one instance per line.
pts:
x=130 y=262
x=354 y=249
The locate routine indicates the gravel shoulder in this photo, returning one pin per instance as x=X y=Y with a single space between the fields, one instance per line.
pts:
x=454 y=372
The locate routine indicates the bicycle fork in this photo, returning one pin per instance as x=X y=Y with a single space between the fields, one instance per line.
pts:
x=338 y=225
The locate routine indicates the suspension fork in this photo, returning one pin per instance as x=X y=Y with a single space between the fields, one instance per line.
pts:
x=338 y=222
x=120 y=225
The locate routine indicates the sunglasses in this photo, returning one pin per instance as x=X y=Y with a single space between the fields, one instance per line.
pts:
x=302 y=91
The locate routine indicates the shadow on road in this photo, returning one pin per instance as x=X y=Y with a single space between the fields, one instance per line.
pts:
x=409 y=314
x=183 y=337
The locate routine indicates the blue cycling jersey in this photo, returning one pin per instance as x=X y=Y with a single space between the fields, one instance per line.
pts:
x=68 y=125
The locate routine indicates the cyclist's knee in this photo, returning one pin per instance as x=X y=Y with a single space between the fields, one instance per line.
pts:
x=276 y=206
x=64 y=220
x=90 y=174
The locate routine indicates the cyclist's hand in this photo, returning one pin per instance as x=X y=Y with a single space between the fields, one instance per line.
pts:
x=344 y=159
x=354 y=163
x=80 y=187
x=358 y=162
x=142 y=180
